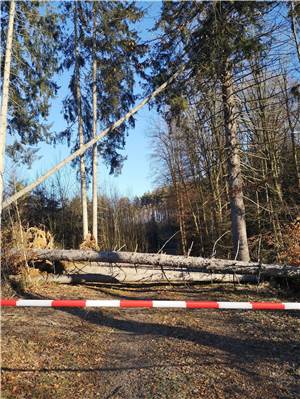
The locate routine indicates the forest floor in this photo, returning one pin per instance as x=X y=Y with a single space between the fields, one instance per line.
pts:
x=151 y=353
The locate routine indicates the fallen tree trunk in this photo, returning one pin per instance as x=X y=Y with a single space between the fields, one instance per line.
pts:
x=125 y=272
x=189 y=264
x=129 y=276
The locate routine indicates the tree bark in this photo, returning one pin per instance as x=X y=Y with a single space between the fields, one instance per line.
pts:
x=238 y=221
x=123 y=275
x=292 y=128
x=85 y=227
x=4 y=100
x=95 y=196
x=203 y=265
x=294 y=29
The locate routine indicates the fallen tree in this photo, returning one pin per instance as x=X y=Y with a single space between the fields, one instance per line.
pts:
x=189 y=264
x=130 y=276
x=77 y=272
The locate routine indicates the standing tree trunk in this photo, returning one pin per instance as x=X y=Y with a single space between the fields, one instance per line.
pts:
x=294 y=28
x=80 y=132
x=291 y=128
x=95 y=197
x=235 y=183
x=4 y=100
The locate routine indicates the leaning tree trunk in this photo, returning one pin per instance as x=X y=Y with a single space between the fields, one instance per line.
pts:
x=90 y=143
x=95 y=197
x=4 y=102
x=235 y=183
x=80 y=133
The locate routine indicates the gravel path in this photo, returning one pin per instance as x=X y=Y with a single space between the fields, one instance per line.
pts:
x=135 y=354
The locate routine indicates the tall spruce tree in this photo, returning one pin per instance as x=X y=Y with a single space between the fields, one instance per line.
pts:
x=95 y=120
x=109 y=55
x=4 y=99
x=214 y=40
x=115 y=44
x=74 y=61
x=29 y=32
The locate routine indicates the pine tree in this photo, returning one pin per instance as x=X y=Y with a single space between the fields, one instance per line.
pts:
x=4 y=99
x=115 y=58
x=95 y=120
x=30 y=31
x=109 y=55
x=74 y=61
x=78 y=99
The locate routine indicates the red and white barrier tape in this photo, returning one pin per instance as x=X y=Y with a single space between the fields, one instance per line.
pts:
x=137 y=303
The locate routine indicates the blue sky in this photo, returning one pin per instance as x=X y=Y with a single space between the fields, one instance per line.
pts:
x=136 y=177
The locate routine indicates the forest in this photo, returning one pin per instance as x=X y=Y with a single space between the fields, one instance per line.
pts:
x=225 y=145
x=187 y=290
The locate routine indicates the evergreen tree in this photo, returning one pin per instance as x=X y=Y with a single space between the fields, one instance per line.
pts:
x=113 y=39
x=34 y=62
x=74 y=61
x=108 y=57
x=29 y=31
x=4 y=97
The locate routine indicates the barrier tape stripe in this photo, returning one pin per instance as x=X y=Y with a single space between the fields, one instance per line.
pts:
x=137 y=303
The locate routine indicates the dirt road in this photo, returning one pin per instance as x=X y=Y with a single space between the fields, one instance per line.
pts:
x=156 y=353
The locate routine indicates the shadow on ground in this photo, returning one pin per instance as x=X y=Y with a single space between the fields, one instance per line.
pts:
x=248 y=349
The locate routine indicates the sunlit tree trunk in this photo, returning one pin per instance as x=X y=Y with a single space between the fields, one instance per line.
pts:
x=292 y=129
x=4 y=100
x=80 y=133
x=294 y=28
x=95 y=197
x=235 y=182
